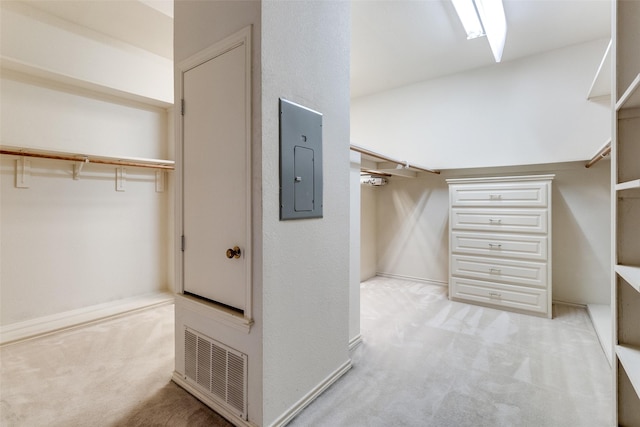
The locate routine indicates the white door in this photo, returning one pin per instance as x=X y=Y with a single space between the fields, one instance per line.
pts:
x=216 y=179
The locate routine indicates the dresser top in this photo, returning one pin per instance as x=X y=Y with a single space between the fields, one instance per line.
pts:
x=547 y=177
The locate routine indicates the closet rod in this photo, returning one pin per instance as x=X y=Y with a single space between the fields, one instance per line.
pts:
x=159 y=164
x=361 y=150
x=604 y=152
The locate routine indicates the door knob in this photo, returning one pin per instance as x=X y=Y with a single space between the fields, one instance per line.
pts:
x=234 y=253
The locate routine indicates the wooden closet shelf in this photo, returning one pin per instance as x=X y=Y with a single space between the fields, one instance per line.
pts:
x=86 y=158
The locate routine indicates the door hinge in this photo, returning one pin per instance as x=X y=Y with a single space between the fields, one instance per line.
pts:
x=182 y=243
x=182 y=107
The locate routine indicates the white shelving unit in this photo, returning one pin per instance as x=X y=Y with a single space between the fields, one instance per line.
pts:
x=625 y=171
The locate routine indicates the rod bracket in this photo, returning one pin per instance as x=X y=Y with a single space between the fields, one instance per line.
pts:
x=77 y=167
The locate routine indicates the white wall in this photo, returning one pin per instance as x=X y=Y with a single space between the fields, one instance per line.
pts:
x=301 y=268
x=354 y=248
x=70 y=244
x=412 y=228
x=305 y=58
x=529 y=111
x=37 y=42
x=368 y=232
x=413 y=225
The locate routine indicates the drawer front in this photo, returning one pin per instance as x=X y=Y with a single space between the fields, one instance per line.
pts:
x=527 y=273
x=512 y=221
x=520 y=194
x=499 y=294
x=500 y=245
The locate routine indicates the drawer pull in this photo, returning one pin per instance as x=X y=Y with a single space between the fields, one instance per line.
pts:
x=495 y=196
x=494 y=246
x=494 y=271
x=495 y=221
x=494 y=295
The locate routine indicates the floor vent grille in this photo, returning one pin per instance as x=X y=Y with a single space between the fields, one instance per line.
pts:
x=217 y=369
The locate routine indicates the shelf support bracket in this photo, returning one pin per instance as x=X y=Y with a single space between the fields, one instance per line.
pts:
x=161 y=177
x=77 y=167
x=121 y=179
x=23 y=172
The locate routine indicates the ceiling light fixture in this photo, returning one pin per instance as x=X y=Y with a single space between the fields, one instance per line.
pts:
x=484 y=18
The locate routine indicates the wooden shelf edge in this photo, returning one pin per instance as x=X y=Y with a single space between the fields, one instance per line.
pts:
x=631 y=97
x=629 y=185
x=79 y=157
x=629 y=357
x=630 y=274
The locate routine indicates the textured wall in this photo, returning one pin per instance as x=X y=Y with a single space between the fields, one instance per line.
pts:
x=305 y=58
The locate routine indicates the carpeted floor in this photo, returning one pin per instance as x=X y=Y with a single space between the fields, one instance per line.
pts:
x=425 y=361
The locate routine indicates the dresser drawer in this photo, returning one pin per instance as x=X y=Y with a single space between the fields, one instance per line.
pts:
x=524 y=194
x=499 y=294
x=500 y=245
x=512 y=221
x=527 y=273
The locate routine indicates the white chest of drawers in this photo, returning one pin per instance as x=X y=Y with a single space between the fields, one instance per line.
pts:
x=500 y=242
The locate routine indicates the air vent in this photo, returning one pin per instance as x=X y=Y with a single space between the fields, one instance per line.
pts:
x=217 y=369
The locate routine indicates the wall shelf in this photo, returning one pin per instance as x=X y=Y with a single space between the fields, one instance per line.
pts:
x=631 y=97
x=629 y=185
x=601 y=86
x=629 y=357
x=630 y=274
x=87 y=158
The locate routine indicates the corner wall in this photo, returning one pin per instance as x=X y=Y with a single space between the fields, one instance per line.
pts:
x=368 y=232
x=305 y=59
x=413 y=238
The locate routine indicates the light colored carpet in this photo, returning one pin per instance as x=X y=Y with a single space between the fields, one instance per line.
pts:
x=425 y=361
x=113 y=373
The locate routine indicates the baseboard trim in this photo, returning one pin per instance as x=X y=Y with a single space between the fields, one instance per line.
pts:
x=600 y=315
x=570 y=304
x=414 y=279
x=355 y=342
x=221 y=410
x=70 y=319
x=288 y=415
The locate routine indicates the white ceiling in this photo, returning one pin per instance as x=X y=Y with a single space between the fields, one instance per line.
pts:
x=394 y=42
x=399 y=42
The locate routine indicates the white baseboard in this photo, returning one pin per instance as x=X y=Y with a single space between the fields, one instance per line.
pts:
x=569 y=304
x=414 y=279
x=355 y=342
x=82 y=316
x=288 y=415
x=601 y=319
